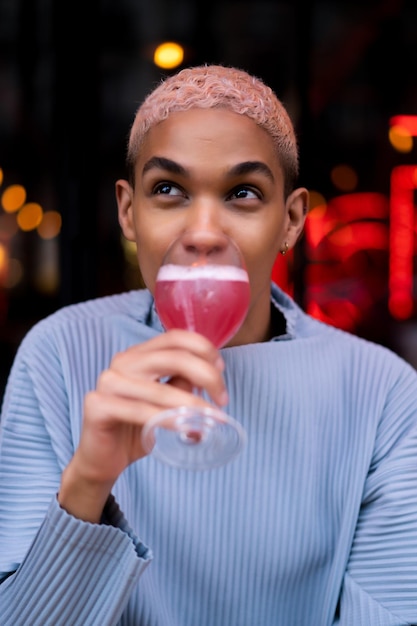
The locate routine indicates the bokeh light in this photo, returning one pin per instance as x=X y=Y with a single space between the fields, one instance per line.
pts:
x=3 y=258
x=400 y=139
x=401 y=132
x=168 y=55
x=316 y=199
x=344 y=177
x=50 y=225
x=13 y=198
x=30 y=216
x=347 y=247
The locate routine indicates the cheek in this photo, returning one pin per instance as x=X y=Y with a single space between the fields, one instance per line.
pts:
x=260 y=260
x=261 y=236
x=151 y=248
x=261 y=252
x=149 y=263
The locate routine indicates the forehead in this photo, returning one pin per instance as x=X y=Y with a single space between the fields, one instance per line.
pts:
x=207 y=136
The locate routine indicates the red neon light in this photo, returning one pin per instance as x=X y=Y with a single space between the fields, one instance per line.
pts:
x=337 y=233
x=401 y=270
x=408 y=122
x=282 y=272
x=346 y=239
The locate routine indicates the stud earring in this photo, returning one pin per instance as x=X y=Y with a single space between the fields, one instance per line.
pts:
x=284 y=250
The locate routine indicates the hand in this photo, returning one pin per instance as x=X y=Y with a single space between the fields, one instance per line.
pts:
x=127 y=395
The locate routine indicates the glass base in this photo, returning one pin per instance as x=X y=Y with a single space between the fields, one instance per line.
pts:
x=193 y=438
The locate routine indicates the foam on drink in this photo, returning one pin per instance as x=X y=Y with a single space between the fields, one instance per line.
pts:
x=210 y=299
x=196 y=272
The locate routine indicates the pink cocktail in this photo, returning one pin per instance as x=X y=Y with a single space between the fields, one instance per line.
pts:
x=202 y=286
x=209 y=299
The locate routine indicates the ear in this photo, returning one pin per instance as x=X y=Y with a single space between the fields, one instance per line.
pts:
x=124 y=197
x=296 y=207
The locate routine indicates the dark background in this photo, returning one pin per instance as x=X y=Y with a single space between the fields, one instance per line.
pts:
x=73 y=73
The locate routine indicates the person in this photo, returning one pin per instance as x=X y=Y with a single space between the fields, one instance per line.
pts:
x=315 y=521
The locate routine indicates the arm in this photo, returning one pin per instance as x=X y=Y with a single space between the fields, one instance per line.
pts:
x=40 y=543
x=380 y=584
x=78 y=556
x=74 y=572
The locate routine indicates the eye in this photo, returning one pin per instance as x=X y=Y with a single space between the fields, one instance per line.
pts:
x=167 y=189
x=244 y=192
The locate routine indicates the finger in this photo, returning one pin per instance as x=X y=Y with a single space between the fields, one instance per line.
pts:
x=145 y=397
x=171 y=340
x=176 y=381
x=174 y=363
x=187 y=366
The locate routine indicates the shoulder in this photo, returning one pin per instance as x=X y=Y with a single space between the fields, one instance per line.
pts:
x=338 y=348
x=94 y=320
x=358 y=349
x=130 y=304
x=133 y=304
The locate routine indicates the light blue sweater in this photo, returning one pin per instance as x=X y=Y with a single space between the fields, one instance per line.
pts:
x=314 y=524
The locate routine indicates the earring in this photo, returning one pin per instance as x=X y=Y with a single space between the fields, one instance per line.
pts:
x=284 y=250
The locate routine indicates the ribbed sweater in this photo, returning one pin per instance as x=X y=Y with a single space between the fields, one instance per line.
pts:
x=313 y=524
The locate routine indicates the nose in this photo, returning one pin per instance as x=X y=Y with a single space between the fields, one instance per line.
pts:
x=203 y=233
x=205 y=244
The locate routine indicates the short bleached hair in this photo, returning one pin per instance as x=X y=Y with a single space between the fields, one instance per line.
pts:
x=217 y=86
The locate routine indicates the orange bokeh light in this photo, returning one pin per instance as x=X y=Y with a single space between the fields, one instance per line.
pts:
x=13 y=198
x=29 y=216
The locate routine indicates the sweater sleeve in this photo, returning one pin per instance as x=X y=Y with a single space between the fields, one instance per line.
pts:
x=55 y=569
x=380 y=584
x=74 y=572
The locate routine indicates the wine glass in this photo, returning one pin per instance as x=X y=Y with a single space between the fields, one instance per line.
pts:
x=202 y=286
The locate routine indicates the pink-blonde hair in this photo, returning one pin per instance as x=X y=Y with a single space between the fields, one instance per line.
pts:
x=217 y=86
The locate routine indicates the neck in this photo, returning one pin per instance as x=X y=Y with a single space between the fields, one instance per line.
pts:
x=257 y=326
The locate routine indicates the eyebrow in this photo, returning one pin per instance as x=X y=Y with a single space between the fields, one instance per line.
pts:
x=249 y=167
x=163 y=163
x=240 y=169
